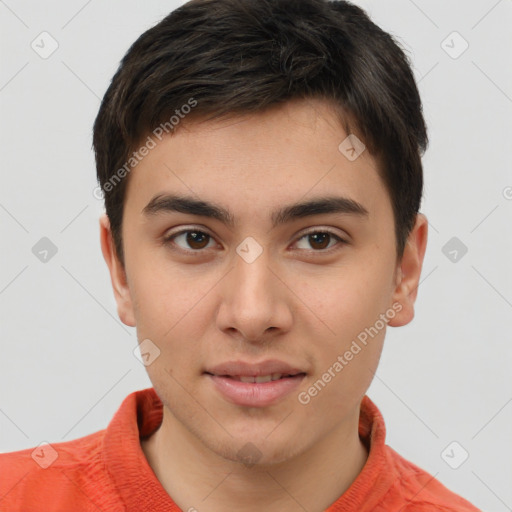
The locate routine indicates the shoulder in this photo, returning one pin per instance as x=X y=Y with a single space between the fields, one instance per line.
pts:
x=32 y=478
x=418 y=491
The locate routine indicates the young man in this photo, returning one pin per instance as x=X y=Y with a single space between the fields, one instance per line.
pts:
x=261 y=166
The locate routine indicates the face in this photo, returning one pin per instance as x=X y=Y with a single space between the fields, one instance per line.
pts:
x=254 y=277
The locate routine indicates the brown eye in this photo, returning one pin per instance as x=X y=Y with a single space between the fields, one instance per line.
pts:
x=319 y=240
x=197 y=240
x=190 y=240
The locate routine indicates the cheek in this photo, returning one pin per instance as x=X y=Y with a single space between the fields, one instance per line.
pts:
x=349 y=305
x=162 y=293
x=173 y=311
x=345 y=300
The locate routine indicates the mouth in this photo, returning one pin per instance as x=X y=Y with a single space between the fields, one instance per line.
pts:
x=260 y=379
x=268 y=370
x=254 y=385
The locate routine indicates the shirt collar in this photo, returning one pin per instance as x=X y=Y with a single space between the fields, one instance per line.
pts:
x=141 y=414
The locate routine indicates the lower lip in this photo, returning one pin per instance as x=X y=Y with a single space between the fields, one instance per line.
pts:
x=250 y=394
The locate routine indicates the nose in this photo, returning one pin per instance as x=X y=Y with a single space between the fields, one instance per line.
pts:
x=254 y=304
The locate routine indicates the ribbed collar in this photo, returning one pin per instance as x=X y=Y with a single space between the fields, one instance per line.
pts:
x=139 y=416
x=141 y=413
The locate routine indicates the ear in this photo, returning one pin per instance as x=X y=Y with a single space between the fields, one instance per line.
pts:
x=408 y=273
x=117 y=274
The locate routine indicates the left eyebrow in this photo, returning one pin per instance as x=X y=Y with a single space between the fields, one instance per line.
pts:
x=317 y=206
x=193 y=206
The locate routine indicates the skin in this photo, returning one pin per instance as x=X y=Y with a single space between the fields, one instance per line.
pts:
x=297 y=302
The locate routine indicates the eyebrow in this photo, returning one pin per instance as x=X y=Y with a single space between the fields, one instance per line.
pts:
x=321 y=205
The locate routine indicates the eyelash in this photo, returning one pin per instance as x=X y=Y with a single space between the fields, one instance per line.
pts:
x=168 y=240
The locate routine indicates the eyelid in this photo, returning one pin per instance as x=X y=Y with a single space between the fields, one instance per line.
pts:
x=192 y=227
x=168 y=237
x=319 y=229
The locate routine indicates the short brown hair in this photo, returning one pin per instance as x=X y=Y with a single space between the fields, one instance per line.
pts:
x=241 y=56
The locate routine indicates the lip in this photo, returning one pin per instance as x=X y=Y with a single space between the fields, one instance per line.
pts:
x=249 y=394
x=257 y=394
x=244 y=369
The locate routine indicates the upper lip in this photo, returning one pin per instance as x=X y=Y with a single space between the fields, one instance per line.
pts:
x=243 y=369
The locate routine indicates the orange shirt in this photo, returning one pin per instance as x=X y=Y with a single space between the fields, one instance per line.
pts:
x=107 y=471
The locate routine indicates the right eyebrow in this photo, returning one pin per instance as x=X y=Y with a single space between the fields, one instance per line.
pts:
x=192 y=206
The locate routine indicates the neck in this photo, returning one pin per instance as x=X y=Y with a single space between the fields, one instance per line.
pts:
x=197 y=478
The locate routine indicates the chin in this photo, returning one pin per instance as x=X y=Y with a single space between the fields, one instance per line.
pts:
x=254 y=452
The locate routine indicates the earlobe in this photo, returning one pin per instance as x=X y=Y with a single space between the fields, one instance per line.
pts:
x=409 y=272
x=117 y=274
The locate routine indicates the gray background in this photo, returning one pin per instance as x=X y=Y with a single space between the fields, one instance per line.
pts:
x=67 y=361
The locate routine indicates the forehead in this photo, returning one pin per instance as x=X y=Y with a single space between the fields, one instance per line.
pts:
x=290 y=152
